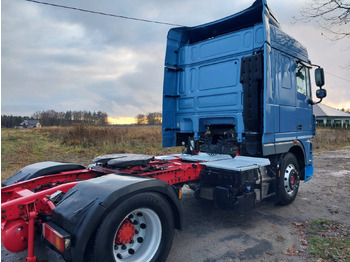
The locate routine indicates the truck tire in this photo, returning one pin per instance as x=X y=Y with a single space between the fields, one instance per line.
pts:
x=289 y=179
x=139 y=229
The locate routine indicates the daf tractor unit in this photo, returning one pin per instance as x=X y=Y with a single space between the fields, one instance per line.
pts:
x=237 y=95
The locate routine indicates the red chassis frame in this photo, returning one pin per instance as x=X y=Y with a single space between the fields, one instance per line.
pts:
x=25 y=201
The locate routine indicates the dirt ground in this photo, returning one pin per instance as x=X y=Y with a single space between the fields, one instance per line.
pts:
x=265 y=233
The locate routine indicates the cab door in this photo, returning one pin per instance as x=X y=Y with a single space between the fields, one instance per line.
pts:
x=303 y=96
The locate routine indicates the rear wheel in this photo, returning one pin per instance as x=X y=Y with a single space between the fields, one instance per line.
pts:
x=139 y=229
x=289 y=179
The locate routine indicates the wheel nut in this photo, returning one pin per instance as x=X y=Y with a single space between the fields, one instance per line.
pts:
x=140 y=239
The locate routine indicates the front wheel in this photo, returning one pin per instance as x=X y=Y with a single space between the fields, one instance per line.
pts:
x=289 y=179
x=140 y=229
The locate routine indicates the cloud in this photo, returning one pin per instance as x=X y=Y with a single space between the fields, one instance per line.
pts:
x=62 y=59
x=332 y=56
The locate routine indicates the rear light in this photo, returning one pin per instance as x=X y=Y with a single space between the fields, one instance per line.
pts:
x=59 y=238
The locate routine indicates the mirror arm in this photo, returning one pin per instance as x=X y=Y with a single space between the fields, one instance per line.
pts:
x=311 y=102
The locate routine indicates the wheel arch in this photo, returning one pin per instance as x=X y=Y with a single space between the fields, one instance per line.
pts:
x=299 y=152
x=94 y=198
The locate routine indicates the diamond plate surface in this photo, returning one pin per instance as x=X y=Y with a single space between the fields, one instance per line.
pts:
x=170 y=157
x=239 y=163
x=204 y=157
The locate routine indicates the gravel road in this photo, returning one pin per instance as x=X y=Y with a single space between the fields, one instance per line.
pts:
x=264 y=233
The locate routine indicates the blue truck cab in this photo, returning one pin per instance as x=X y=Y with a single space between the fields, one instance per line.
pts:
x=237 y=94
x=240 y=85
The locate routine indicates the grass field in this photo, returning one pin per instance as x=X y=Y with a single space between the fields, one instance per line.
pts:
x=331 y=139
x=80 y=143
x=75 y=144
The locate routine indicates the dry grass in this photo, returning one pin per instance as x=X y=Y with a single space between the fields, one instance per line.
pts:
x=76 y=144
x=134 y=139
x=148 y=139
x=81 y=143
x=331 y=139
x=23 y=147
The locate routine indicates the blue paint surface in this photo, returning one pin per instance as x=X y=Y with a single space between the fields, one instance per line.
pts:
x=202 y=72
x=309 y=171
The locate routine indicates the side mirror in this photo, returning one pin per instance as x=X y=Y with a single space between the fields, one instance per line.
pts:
x=321 y=93
x=319 y=77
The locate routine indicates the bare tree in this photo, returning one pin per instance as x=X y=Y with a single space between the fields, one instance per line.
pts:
x=154 y=118
x=332 y=15
x=141 y=119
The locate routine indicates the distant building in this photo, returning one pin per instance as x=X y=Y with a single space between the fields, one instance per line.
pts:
x=30 y=124
x=329 y=116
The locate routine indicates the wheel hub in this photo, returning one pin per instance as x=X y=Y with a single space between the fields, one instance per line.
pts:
x=291 y=179
x=138 y=236
x=125 y=233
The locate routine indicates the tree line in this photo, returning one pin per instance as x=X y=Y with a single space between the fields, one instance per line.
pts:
x=12 y=121
x=154 y=118
x=53 y=118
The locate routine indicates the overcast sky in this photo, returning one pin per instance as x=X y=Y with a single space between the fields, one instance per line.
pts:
x=54 y=58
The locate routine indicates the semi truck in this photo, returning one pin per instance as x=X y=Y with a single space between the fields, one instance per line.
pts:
x=236 y=95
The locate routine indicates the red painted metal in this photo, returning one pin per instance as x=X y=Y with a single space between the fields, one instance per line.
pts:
x=31 y=234
x=15 y=235
x=40 y=183
x=125 y=233
x=24 y=201
x=237 y=151
x=18 y=207
x=15 y=198
x=172 y=171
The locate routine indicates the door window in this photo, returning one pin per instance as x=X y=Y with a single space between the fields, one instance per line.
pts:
x=303 y=80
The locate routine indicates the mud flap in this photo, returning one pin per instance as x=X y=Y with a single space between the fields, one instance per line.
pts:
x=40 y=169
x=309 y=171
